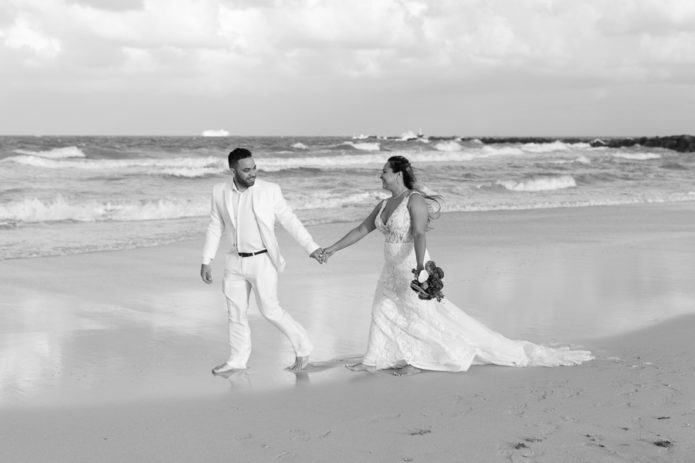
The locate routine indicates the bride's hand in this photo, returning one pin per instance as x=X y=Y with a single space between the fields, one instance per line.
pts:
x=327 y=253
x=421 y=274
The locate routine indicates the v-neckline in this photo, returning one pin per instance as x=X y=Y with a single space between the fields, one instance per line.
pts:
x=381 y=213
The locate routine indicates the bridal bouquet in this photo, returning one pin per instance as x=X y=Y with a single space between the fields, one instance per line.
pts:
x=428 y=283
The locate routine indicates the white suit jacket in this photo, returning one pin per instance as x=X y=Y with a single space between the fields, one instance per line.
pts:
x=268 y=205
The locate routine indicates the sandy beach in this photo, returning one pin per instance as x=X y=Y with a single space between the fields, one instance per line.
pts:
x=106 y=356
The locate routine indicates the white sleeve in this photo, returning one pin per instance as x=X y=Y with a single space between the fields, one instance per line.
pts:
x=214 y=232
x=290 y=222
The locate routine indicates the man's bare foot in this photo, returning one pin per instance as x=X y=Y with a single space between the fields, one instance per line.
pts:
x=407 y=370
x=359 y=366
x=224 y=369
x=299 y=364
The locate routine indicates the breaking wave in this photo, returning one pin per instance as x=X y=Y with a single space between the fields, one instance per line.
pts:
x=448 y=146
x=364 y=146
x=540 y=183
x=55 y=153
x=325 y=200
x=101 y=164
x=553 y=147
x=637 y=156
x=61 y=209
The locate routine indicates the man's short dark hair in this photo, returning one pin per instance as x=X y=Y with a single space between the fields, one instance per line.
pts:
x=236 y=154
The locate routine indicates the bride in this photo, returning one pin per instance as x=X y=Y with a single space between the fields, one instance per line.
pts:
x=409 y=334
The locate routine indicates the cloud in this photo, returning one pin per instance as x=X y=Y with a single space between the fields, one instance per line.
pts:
x=366 y=38
x=174 y=23
x=653 y=17
x=240 y=48
x=110 y=5
x=674 y=49
x=24 y=36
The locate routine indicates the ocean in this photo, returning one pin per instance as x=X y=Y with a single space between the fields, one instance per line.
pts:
x=76 y=194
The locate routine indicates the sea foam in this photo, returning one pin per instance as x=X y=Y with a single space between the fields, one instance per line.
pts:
x=364 y=146
x=324 y=200
x=637 y=156
x=275 y=164
x=540 y=183
x=100 y=164
x=62 y=209
x=447 y=146
x=553 y=147
x=564 y=203
x=55 y=153
x=490 y=150
x=191 y=172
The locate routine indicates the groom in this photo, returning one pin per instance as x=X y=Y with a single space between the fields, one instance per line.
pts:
x=245 y=210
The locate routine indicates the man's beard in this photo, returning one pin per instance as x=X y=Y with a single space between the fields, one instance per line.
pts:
x=244 y=183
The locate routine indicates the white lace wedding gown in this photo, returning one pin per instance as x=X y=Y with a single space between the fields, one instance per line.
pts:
x=431 y=335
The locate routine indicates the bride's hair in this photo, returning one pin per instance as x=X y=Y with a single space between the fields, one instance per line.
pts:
x=401 y=164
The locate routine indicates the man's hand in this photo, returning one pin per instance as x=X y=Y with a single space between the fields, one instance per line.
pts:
x=319 y=255
x=206 y=273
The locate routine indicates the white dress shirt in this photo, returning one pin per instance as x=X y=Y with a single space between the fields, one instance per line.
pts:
x=248 y=236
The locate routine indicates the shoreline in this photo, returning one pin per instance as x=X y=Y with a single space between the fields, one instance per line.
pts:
x=682 y=204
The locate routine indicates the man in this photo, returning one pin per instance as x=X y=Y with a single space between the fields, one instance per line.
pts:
x=246 y=210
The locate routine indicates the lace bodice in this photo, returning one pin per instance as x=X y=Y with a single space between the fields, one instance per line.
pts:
x=397 y=228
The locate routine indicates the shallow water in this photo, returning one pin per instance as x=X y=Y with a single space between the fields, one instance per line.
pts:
x=138 y=324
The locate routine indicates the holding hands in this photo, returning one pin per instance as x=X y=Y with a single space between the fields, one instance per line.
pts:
x=318 y=256
x=321 y=255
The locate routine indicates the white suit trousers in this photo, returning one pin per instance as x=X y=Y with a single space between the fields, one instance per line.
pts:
x=257 y=274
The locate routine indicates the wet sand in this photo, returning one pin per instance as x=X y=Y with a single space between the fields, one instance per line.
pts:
x=106 y=356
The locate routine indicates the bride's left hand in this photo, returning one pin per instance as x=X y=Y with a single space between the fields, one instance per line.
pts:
x=327 y=253
x=418 y=272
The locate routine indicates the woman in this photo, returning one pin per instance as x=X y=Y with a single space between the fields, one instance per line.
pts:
x=410 y=334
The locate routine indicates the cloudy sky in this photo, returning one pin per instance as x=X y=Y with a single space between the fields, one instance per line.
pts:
x=341 y=67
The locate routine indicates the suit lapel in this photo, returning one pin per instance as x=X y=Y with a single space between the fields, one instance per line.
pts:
x=257 y=204
x=266 y=224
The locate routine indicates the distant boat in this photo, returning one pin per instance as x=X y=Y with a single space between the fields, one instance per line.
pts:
x=215 y=133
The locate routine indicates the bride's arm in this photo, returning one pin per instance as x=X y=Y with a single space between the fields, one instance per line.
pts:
x=418 y=223
x=353 y=236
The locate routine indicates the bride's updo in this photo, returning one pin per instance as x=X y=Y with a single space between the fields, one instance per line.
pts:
x=401 y=164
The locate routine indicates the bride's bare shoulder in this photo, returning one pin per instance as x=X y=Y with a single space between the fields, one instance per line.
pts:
x=416 y=199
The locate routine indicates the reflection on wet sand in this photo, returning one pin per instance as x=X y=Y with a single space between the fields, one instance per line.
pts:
x=140 y=325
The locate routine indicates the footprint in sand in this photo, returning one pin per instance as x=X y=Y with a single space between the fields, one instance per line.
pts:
x=663 y=443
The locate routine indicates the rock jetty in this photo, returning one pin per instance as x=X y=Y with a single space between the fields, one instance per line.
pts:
x=681 y=143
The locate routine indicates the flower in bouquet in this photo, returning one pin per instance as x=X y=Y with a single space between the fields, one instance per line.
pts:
x=428 y=283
